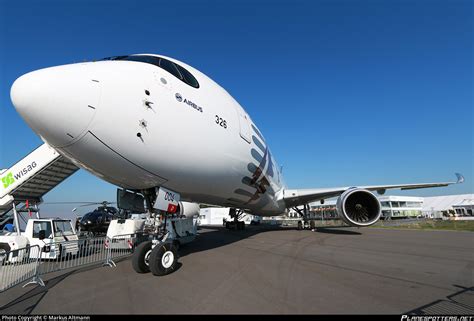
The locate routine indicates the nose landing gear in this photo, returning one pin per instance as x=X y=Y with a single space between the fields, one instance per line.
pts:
x=163 y=259
x=141 y=257
x=160 y=253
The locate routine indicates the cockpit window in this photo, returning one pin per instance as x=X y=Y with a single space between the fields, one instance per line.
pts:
x=171 y=67
x=148 y=59
x=188 y=78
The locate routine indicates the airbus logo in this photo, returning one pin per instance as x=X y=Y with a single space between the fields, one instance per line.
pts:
x=188 y=102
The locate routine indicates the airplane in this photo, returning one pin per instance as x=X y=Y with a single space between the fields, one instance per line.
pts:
x=160 y=128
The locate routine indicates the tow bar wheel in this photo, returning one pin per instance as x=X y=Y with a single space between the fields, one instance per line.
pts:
x=163 y=259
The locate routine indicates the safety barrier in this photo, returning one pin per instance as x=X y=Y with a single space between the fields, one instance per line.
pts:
x=17 y=266
x=31 y=263
x=72 y=254
x=121 y=246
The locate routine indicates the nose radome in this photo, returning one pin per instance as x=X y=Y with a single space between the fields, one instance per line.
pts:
x=58 y=103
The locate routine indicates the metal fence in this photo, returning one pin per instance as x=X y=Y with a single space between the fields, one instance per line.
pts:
x=121 y=246
x=18 y=266
x=31 y=263
x=71 y=254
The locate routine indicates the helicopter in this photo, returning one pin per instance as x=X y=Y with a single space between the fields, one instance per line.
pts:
x=97 y=221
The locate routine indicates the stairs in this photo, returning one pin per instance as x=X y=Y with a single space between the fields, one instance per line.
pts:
x=31 y=178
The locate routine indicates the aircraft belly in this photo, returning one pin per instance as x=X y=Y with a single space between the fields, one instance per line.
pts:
x=95 y=156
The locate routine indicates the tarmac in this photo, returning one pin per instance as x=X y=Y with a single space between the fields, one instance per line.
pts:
x=275 y=270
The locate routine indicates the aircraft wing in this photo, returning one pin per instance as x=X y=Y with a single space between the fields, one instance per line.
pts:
x=296 y=197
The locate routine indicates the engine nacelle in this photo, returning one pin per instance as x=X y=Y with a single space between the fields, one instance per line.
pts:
x=188 y=209
x=358 y=207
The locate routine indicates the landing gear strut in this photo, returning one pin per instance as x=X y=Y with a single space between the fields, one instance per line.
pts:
x=304 y=222
x=235 y=224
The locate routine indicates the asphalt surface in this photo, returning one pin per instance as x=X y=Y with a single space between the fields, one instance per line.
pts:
x=277 y=271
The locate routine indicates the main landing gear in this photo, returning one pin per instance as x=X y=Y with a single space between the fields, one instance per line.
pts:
x=235 y=224
x=305 y=222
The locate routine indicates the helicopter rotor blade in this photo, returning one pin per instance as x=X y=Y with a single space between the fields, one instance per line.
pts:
x=82 y=203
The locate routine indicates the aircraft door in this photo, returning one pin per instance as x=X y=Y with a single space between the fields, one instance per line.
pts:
x=245 y=131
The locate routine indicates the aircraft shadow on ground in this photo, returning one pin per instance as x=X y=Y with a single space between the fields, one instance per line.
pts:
x=211 y=237
x=336 y=231
x=458 y=303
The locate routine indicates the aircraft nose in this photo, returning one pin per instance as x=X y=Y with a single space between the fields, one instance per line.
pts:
x=57 y=103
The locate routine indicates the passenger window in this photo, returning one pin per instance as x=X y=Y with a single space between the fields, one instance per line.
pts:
x=170 y=67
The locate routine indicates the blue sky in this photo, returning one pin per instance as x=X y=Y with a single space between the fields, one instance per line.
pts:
x=346 y=92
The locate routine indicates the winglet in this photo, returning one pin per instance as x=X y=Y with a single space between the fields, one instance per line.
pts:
x=460 y=178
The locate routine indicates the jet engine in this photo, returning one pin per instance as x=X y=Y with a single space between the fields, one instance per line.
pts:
x=358 y=207
x=188 y=209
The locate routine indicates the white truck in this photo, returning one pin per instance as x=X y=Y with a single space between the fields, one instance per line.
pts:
x=55 y=236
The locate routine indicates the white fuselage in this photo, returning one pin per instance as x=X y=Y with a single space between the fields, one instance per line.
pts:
x=137 y=126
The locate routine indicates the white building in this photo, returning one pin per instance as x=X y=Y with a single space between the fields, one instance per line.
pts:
x=323 y=211
x=448 y=205
x=401 y=206
x=465 y=207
